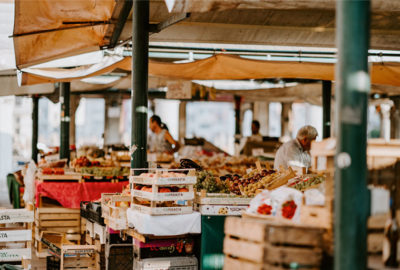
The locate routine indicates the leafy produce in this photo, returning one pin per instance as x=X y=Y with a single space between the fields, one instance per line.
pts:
x=210 y=183
x=105 y=171
x=306 y=181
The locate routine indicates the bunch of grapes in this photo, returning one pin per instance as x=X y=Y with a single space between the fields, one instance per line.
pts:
x=208 y=182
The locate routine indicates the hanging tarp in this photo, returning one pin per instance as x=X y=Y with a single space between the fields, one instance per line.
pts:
x=177 y=6
x=49 y=29
x=218 y=67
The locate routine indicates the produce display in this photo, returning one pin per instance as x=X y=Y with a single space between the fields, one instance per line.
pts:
x=282 y=203
x=210 y=183
x=104 y=171
x=220 y=165
x=164 y=174
x=85 y=162
x=98 y=168
x=58 y=171
x=306 y=181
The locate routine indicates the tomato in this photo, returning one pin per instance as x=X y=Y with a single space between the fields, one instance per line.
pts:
x=183 y=190
x=164 y=190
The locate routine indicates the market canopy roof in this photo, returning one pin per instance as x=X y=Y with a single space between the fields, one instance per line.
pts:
x=51 y=29
x=217 y=67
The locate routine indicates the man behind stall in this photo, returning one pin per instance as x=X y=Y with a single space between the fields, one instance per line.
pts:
x=297 y=151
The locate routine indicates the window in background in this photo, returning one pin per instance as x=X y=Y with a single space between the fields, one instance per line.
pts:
x=246 y=123
x=49 y=122
x=374 y=123
x=214 y=121
x=306 y=114
x=274 y=119
x=168 y=110
x=90 y=122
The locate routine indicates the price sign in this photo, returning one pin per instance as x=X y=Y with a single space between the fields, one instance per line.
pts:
x=179 y=90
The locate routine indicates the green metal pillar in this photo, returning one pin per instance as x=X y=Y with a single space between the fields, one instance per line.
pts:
x=352 y=89
x=140 y=47
x=326 y=108
x=65 y=119
x=35 y=125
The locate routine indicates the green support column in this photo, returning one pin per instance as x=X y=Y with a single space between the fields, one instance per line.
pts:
x=65 y=119
x=326 y=108
x=35 y=125
x=352 y=89
x=140 y=47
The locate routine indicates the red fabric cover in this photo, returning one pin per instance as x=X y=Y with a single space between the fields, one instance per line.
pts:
x=69 y=195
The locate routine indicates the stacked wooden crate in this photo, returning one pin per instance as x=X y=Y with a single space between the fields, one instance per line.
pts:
x=162 y=192
x=113 y=210
x=16 y=236
x=95 y=234
x=254 y=244
x=56 y=219
x=67 y=255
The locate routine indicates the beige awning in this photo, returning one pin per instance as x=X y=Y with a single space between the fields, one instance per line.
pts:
x=218 y=67
x=49 y=29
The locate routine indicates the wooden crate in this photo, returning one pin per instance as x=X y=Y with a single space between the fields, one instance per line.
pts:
x=68 y=176
x=72 y=257
x=113 y=213
x=16 y=236
x=159 y=203
x=56 y=219
x=252 y=244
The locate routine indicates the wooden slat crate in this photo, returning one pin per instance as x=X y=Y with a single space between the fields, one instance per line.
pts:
x=56 y=219
x=72 y=257
x=93 y=238
x=252 y=244
x=113 y=210
x=16 y=236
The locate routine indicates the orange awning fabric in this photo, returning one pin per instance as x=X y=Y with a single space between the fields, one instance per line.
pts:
x=218 y=67
x=49 y=29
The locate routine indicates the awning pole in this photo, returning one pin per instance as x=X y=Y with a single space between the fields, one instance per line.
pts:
x=65 y=119
x=352 y=89
x=140 y=46
x=35 y=127
x=326 y=108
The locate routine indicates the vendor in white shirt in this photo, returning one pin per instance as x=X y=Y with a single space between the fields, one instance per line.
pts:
x=296 y=152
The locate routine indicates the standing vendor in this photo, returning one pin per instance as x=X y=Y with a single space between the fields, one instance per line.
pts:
x=296 y=152
x=161 y=141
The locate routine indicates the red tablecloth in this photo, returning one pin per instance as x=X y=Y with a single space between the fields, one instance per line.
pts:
x=69 y=195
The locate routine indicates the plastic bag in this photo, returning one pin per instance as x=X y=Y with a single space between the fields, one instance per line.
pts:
x=287 y=202
x=262 y=204
x=29 y=181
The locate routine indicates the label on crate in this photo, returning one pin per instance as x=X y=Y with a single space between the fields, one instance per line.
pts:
x=15 y=215
x=15 y=235
x=222 y=210
x=13 y=255
x=163 y=196
x=79 y=251
x=164 y=180
x=163 y=210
